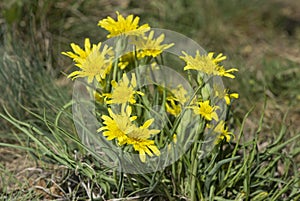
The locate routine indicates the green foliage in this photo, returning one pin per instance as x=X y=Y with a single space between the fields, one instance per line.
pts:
x=230 y=172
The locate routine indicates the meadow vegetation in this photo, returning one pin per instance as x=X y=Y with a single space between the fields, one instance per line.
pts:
x=42 y=157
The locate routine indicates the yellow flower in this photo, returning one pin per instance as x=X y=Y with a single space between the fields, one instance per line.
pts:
x=98 y=97
x=147 y=46
x=123 y=91
x=220 y=93
x=123 y=26
x=179 y=96
x=206 y=111
x=207 y=64
x=222 y=132
x=139 y=138
x=118 y=125
x=228 y=97
x=121 y=127
x=91 y=60
x=172 y=107
x=125 y=60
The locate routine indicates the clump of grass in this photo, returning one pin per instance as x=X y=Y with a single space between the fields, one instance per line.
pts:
x=239 y=170
x=26 y=83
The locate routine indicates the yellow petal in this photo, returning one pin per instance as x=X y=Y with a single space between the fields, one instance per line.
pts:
x=133 y=80
x=148 y=123
x=234 y=95
x=154 y=149
x=87 y=45
x=142 y=155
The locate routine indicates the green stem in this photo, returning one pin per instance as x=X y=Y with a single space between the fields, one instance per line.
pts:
x=177 y=121
x=118 y=50
x=194 y=159
x=193 y=179
x=167 y=192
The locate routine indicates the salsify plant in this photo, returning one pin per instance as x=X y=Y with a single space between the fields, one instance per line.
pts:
x=152 y=97
x=151 y=114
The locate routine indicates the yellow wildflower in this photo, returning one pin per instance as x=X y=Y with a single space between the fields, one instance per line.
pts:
x=121 y=128
x=176 y=100
x=228 y=97
x=222 y=132
x=147 y=46
x=98 y=97
x=125 y=60
x=220 y=93
x=118 y=125
x=206 y=111
x=123 y=26
x=207 y=64
x=123 y=91
x=172 y=107
x=91 y=60
x=180 y=94
x=139 y=138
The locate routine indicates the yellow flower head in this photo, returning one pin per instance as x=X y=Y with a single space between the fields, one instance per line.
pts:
x=206 y=111
x=145 y=147
x=176 y=100
x=98 y=97
x=92 y=62
x=126 y=59
x=139 y=138
x=123 y=26
x=222 y=132
x=181 y=94
x=228 y=97
x=220 y=93
x=123 y=91
x=121 y=127
x=118 y=125
x=147 y=46
x=144 y=132
x=207 y=64
x=172 y=107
